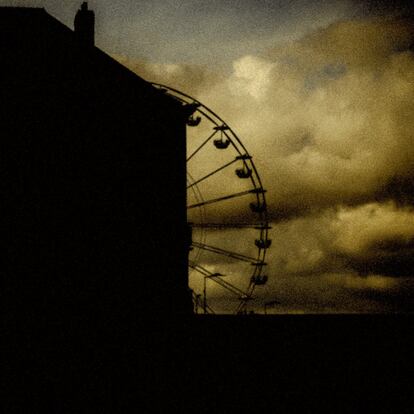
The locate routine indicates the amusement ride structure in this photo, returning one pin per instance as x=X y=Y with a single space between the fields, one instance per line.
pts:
x=226 y=213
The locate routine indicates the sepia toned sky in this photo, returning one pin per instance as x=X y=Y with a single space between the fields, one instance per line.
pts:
x=322 y=94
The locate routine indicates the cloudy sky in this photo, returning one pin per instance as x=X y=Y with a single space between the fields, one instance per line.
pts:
x=321 y=93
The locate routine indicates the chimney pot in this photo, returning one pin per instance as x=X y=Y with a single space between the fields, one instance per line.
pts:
x=85 y=25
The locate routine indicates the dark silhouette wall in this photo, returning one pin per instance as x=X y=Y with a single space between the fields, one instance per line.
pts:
x=93 y=177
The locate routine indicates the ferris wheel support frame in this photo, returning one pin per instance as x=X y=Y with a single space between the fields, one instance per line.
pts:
x=259 y=207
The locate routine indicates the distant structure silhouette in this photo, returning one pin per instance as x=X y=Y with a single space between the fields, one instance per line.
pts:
x=94 y=178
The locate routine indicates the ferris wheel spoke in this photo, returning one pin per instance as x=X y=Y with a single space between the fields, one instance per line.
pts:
x=209 y=310
x=213 y=172
x=202 y=145
x=202 y=270
x=228 y=253
x=216 y=200
x=222 y=137
x=256 y=226
x=216 y=277
x=241 y=308
x=230 y=287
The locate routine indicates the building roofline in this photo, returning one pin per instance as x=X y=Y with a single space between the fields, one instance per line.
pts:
x=100 y=54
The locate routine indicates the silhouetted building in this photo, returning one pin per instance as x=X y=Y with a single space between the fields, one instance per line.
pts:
x=93 y=178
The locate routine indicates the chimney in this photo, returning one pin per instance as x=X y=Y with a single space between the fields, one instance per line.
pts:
x=85 y=25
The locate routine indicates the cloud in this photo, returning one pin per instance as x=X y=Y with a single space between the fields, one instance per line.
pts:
x=347 y=259
x=329 y=119
x=188 y=78
x=373 y=227
x=252 y=76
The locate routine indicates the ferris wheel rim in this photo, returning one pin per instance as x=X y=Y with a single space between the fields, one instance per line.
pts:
x=257 y=184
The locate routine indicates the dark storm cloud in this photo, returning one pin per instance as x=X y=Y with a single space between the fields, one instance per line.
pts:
x=347 y=259
x=385 y=7
x=375 y=239
x=393 y=256
x=399 y=189
x=397 y=263
x=399 y=299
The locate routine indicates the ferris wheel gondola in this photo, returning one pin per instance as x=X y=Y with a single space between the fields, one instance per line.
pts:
x=227 y=213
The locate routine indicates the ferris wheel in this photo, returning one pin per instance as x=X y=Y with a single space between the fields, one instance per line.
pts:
x=227 y=214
